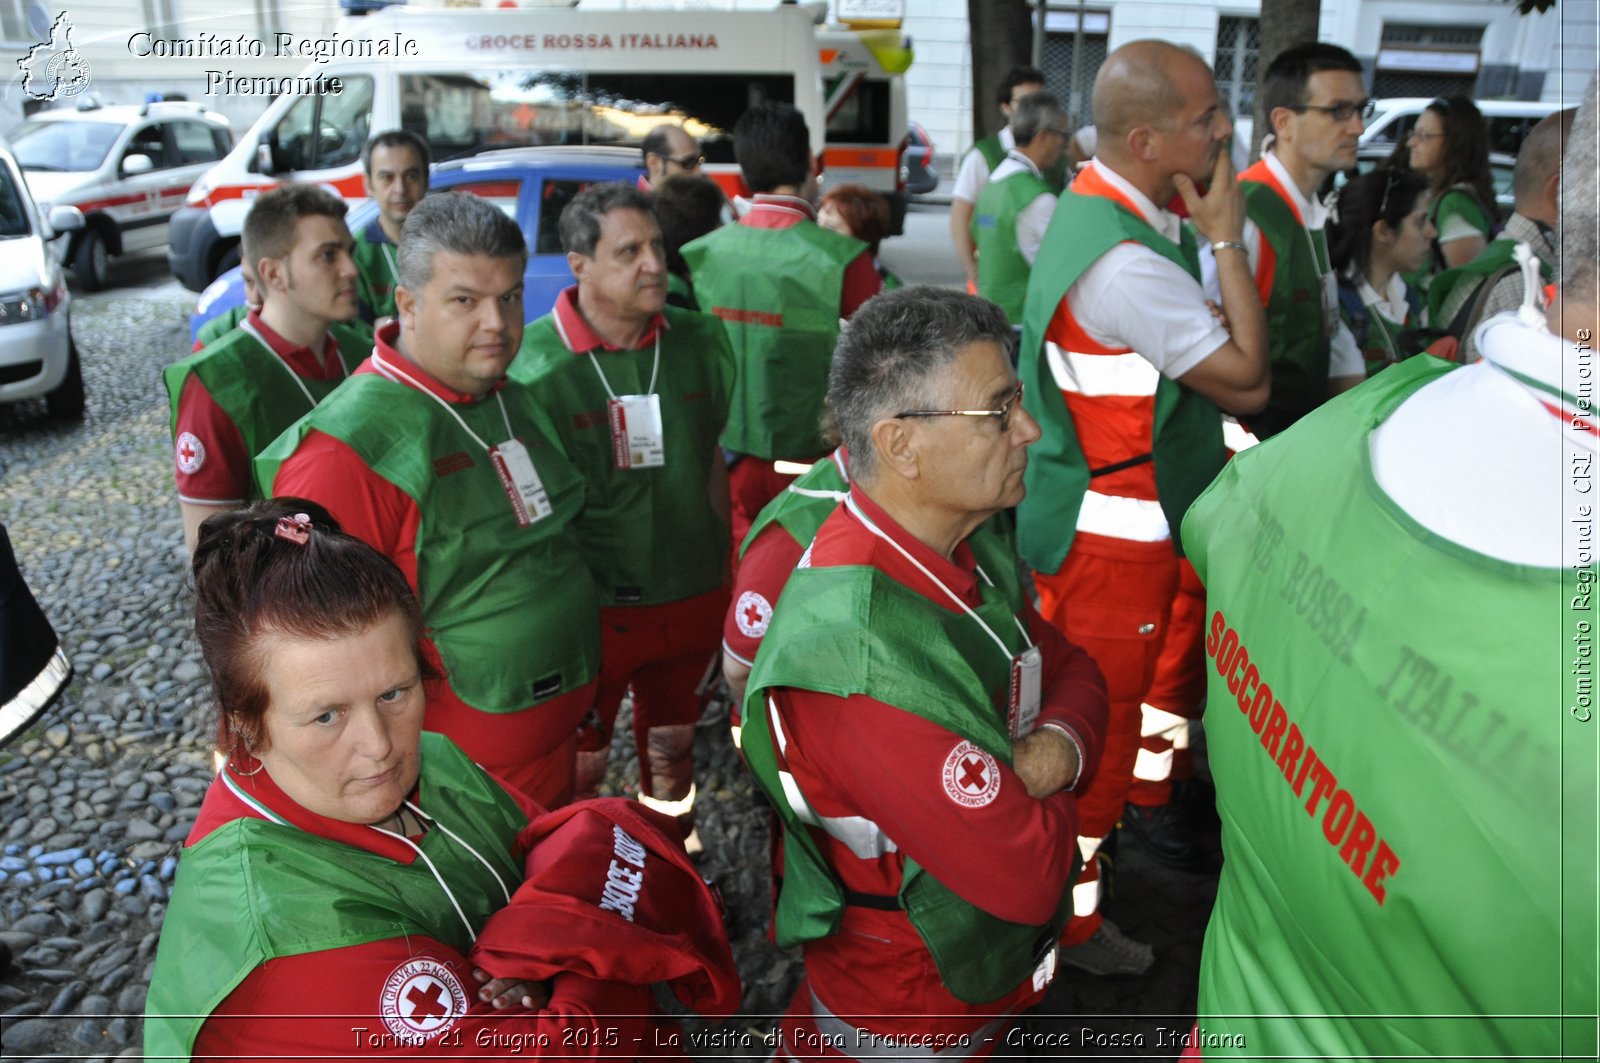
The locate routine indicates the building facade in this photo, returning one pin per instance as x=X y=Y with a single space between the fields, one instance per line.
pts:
x=1482 y=48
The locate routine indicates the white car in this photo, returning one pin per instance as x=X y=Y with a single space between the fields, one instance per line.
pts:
x=127 y=168
x=37 y=356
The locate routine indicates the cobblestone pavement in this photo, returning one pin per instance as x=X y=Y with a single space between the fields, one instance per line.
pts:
x=98 y=796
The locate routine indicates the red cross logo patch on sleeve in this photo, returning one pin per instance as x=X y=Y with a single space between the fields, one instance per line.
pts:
x=191 y=453
x=421 y=999
x=971 y=776
x=752 y=613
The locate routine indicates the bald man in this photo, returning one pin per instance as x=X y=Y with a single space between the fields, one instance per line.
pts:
x=668 y=150
x=1117 y=329
x=1492 y=281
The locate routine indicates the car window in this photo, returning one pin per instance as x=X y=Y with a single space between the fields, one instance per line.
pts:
x=148 y=141
x=862 y=116
x=554 y=195
x=321 y=132
x=194 y=143
x=460 y=115
x=502 y=192
x=13 y=215
x=1506 y=132
x=70 y=146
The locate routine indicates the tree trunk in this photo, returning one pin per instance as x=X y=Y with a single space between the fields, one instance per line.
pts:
x=1284 y=24
x=1002 y=37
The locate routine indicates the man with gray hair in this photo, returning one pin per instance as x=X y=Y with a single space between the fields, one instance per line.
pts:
x=1402 y=723
x=913 y=720
x=1492 y=282
x=638 y=393
x=433 y=457
x=1016 y=204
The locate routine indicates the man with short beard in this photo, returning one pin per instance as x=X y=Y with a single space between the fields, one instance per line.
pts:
x=233 y=398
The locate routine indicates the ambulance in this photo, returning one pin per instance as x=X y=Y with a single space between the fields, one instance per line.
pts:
x=594 y=72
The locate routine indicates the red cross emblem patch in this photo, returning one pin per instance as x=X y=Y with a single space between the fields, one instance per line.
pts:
x=971 y=776
x=191 y=453
x=421 y=999
x=752 y=613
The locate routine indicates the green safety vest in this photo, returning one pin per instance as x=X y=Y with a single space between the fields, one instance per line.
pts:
x=648 y=535
x=1382 y=341
x=1187 y=447
x=376 y=266
x=777 y=292
x=851 y=629
x=994 y=153
x=1408 y=805
x=254 y=890
x=803 y=505
x=257 y=389
x=1299 y=346
x=1002 y=271
x=512 y=610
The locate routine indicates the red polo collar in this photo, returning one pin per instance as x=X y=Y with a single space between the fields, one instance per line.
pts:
x=580 y=338
x=420 y=378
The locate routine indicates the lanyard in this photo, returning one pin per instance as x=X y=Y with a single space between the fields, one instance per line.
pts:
x=249 y=328
x=388 y=256
x=655 y=367
x=855 y=509
x=394 y=372
x=453 y=836
x=273 y=817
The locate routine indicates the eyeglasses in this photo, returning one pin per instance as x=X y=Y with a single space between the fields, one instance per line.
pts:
x=1417 y=134
x=687 y=162
x=1003 y=413
x=1339 y=112
x=1058 y=131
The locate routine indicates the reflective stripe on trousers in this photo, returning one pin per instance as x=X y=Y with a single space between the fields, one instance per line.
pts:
x=1169 y=729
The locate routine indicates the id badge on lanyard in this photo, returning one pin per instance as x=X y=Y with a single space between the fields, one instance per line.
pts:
x=521 y=482
x=1330 y=305
x=1022 y=713
x=636 y=437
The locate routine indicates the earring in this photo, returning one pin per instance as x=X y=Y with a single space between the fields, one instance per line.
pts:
x=233 y=759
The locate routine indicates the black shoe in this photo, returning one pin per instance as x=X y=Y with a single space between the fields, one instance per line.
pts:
x=33 y=668
x=1164 y=833
x=1110 y=954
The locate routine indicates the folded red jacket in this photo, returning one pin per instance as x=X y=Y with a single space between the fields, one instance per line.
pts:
x=610 y=894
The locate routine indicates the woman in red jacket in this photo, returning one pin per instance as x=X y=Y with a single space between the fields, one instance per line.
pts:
x=351 y=882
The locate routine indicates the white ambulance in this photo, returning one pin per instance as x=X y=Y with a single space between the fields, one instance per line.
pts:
x=475 y=79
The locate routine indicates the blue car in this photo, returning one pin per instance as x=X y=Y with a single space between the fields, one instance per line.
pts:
x=532 y=185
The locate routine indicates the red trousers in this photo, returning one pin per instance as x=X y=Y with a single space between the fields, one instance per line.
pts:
x=1175 y=697
x=1114 y=598
x=661 y=652
x=752 y=483
x=532 y=750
